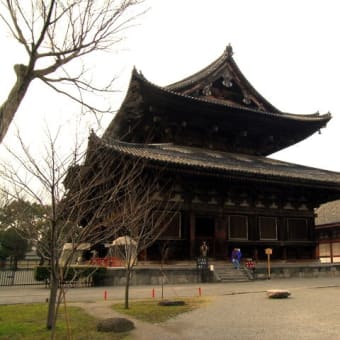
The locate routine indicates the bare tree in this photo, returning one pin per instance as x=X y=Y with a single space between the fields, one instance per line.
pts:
x=93 y=198
x=57 y=33
x=40 y=180
x=147 y=209
x=135 y=198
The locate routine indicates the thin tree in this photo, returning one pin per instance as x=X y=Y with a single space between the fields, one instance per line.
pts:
x=40 y=180
x=134 y=198
x=58 y=36
x=147 y=209
x=93 y=198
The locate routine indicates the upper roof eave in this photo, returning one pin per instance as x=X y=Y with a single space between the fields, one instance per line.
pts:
x=314 y=117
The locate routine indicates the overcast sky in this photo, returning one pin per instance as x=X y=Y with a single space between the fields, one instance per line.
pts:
x=289 y=51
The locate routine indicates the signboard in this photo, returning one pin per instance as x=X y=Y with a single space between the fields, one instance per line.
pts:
x=268 y=251
x=202 y=262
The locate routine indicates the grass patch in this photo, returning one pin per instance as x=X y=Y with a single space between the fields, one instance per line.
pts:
x=150 y=311
x=29 y=322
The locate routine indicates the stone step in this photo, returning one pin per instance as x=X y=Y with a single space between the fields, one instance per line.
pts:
x=227 y=273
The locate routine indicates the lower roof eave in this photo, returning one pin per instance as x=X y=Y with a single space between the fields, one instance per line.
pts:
x=246 y=177
x=278 y=243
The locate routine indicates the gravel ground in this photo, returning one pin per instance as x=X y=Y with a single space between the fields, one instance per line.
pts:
x=307 y=314
x=236 y=311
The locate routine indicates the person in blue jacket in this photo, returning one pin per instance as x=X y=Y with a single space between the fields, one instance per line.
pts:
x=236 y=257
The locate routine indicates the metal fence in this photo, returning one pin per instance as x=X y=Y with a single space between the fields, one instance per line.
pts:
x=23 y=275
x=19 y=277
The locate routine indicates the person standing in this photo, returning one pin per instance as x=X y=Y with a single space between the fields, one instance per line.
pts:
x=236 y=257
x=204 y=249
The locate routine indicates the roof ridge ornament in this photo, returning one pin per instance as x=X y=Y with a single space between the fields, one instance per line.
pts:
x=229 y=51
x=207 y=90
x=227 y=79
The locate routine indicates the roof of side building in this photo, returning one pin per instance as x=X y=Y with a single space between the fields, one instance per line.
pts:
x=328 y=213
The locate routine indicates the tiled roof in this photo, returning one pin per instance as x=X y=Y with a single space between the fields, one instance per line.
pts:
x=227 y=164
x=328 y=213
x=222 y=106
x=216 y=64
x=186 y=110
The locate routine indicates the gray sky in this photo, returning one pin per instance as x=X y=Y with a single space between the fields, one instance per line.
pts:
x=289 y=50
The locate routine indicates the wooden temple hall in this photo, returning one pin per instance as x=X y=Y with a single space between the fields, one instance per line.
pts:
x=213 y=132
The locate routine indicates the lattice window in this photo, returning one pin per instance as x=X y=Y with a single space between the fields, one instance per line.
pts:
x=238 y=227
x=173 y=230
x=336 y=249
x=268 y=228
x=324 y=249
x=297 y=229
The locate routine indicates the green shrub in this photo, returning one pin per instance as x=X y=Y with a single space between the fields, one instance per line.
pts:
x=41 y=273
x=98 y=276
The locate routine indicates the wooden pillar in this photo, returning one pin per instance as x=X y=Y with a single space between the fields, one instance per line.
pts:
x=317 y=251
x=331 y=250
x=192 y=235
x=220 y=250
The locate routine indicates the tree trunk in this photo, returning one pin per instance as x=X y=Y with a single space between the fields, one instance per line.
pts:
x=52 y=303
x=127 y=287
x=15 y=97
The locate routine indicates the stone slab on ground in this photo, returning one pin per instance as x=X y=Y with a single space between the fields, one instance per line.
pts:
x=278 y=293
x=115 y=325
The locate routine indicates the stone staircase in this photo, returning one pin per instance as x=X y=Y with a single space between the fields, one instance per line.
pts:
x=227 y=273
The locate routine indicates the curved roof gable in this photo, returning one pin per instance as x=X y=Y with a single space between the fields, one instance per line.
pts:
x=222 y=80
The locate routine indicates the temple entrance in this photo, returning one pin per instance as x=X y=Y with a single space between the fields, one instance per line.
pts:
x=204 y=231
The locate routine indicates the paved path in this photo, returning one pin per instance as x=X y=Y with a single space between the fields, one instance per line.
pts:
x=236 y=311
x=143 y=330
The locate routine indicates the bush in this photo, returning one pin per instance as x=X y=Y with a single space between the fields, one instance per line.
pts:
x=41 y=273
x=98 y=276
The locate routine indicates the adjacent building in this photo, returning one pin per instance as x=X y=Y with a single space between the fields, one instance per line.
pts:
x=327 y=227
